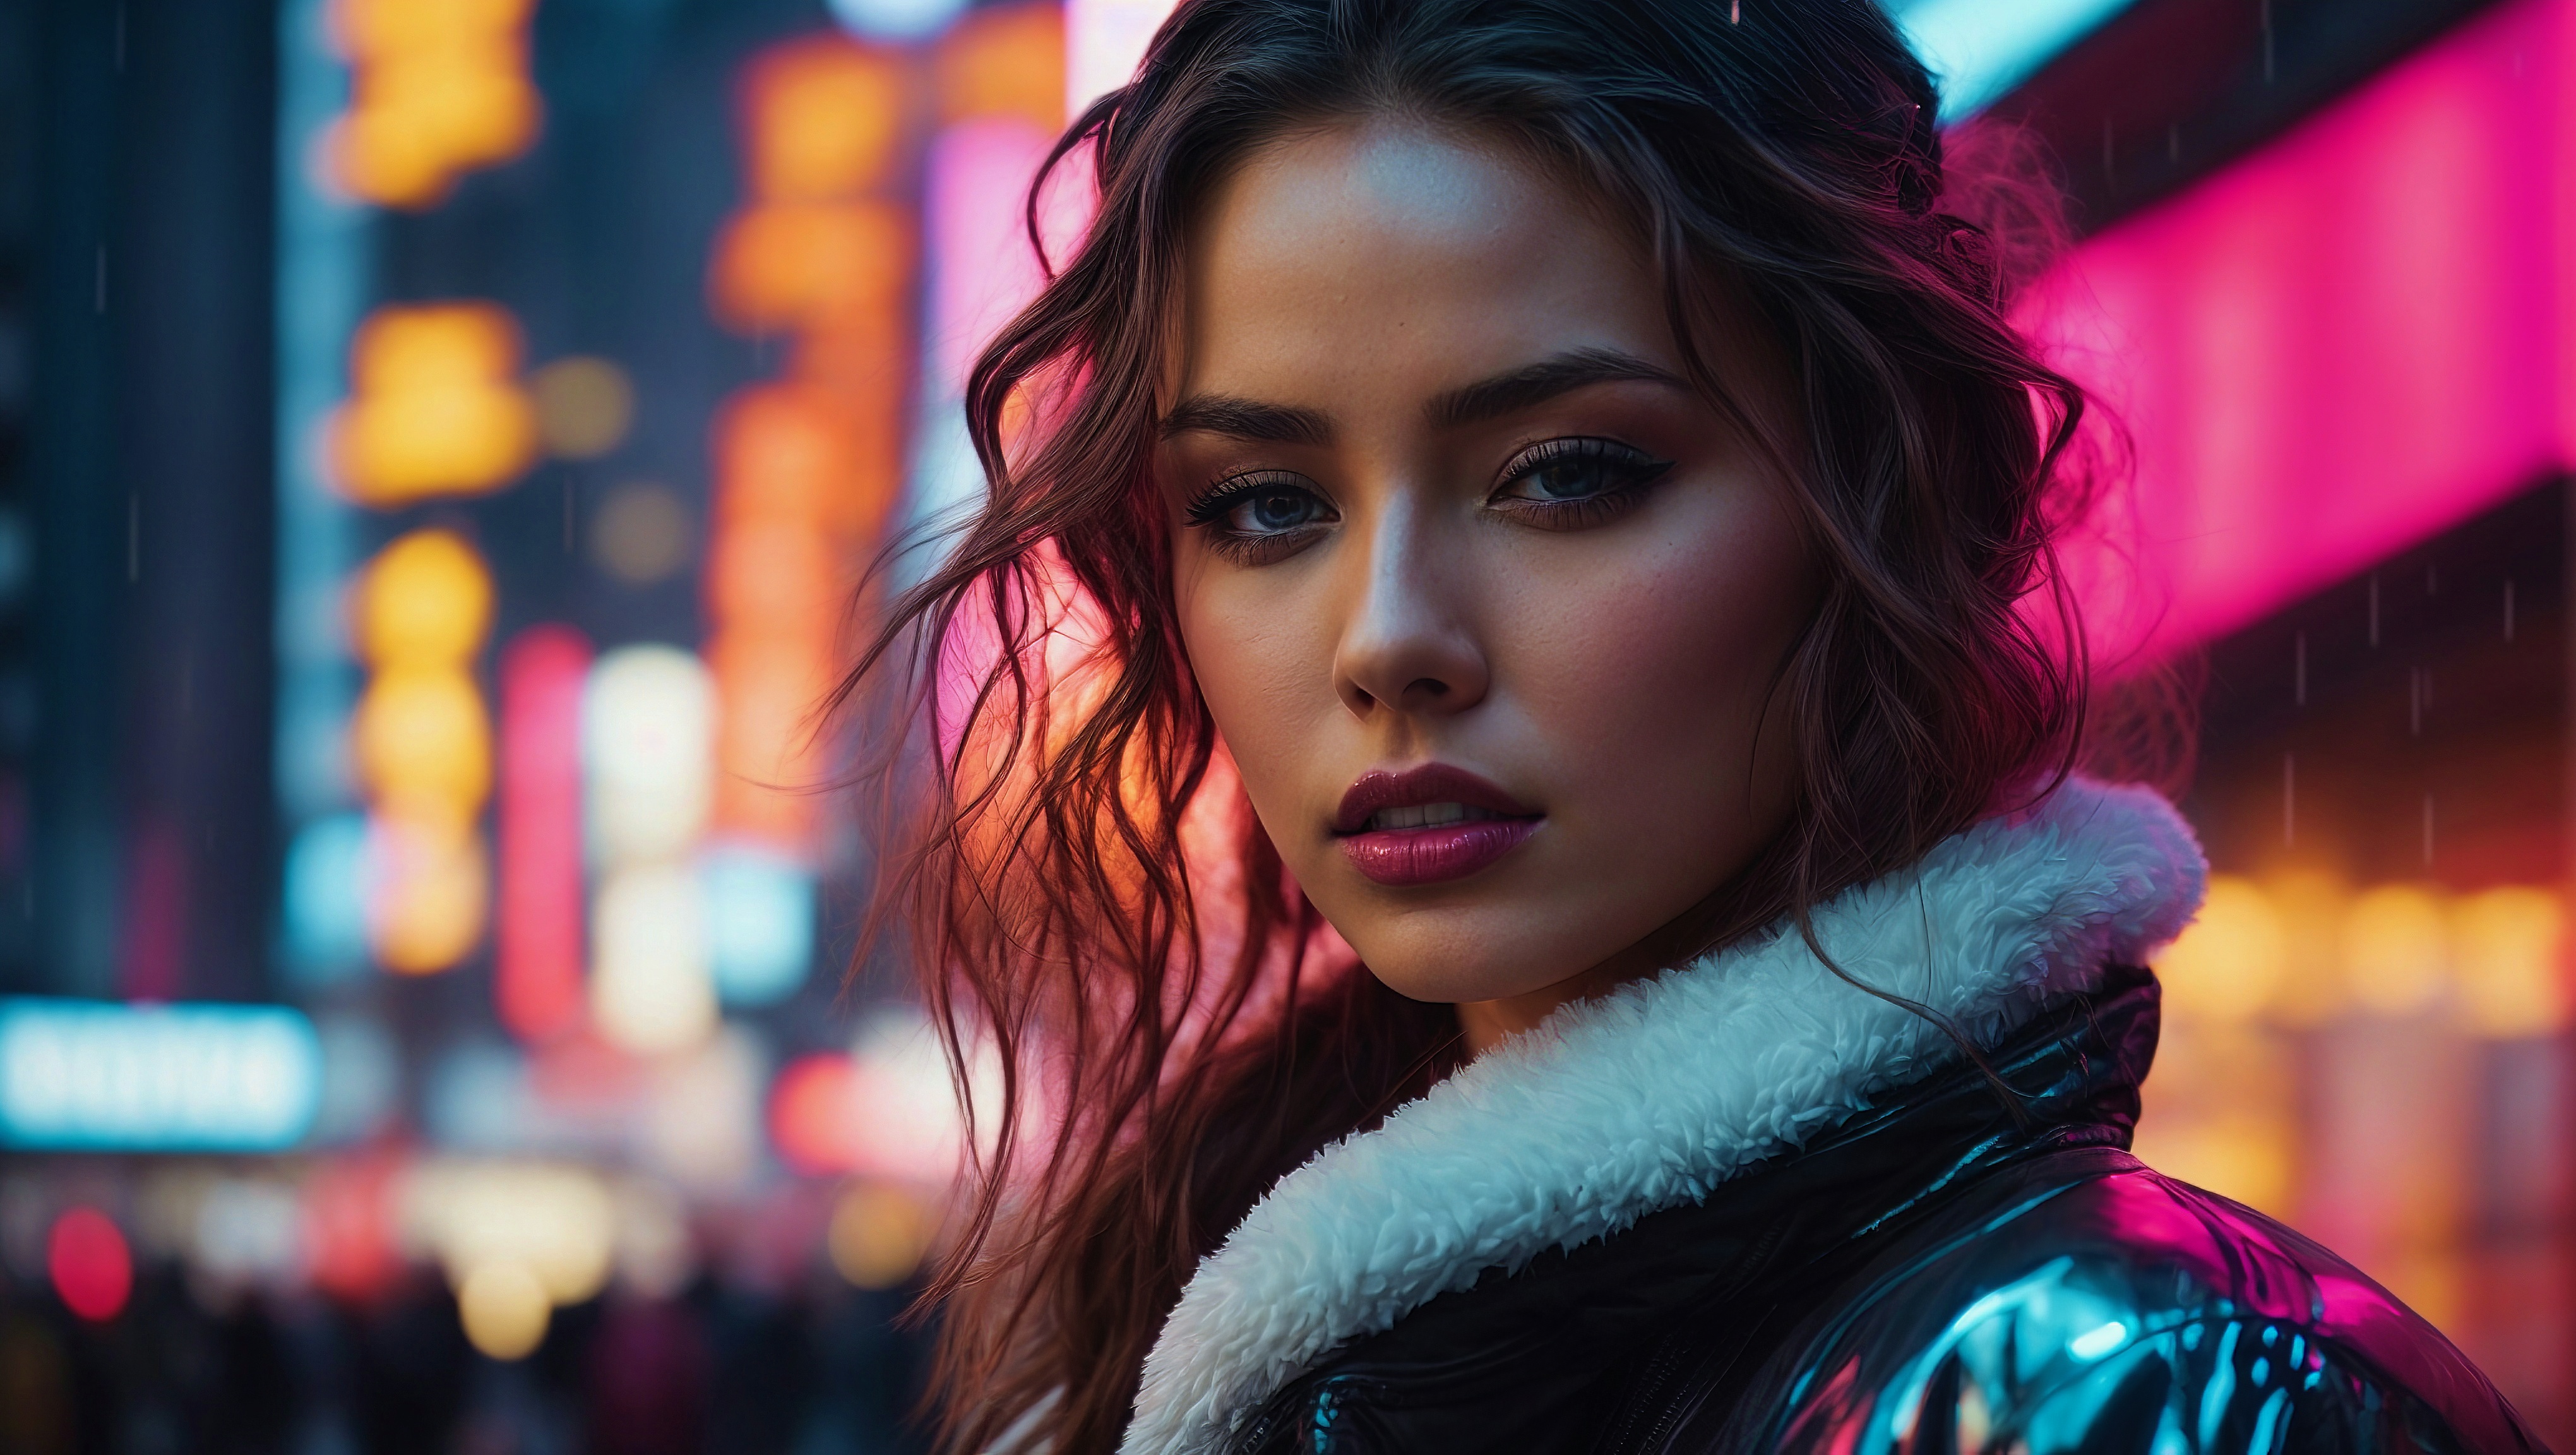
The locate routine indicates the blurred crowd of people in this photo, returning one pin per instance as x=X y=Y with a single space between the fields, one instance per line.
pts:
x=189 y=1369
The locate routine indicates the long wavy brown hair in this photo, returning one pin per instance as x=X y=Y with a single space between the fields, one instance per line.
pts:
x=1073 y=868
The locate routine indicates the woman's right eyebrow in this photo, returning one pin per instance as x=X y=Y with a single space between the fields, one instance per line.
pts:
x=1248 y=419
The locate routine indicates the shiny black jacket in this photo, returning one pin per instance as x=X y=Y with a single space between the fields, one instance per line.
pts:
x=1955 y=1272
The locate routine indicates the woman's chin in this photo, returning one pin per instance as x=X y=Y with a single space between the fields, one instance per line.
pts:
x=1449 y=980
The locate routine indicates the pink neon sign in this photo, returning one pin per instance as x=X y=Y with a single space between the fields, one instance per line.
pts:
x=983 y=270
x=537 y=976
x=2351 y=340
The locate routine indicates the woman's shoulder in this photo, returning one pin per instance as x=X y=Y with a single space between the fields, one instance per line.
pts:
x=2126 y=1311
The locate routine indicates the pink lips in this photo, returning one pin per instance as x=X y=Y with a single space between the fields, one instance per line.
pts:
x=1429 y=854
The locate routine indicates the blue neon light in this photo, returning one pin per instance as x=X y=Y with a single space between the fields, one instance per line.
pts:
x=100 y=1076
x=760 y=925
x=1979 y=49
x=326 y=899
x=896 y=19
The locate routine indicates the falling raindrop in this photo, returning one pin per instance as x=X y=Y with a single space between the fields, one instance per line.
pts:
x=2271 y=70
x=1735 y=13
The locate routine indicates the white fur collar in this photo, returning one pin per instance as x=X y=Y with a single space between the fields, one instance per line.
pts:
x=1647 y=1098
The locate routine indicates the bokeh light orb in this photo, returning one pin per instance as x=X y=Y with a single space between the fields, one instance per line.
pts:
x=896 y=19
x=88 y=1261
x=505 y=1310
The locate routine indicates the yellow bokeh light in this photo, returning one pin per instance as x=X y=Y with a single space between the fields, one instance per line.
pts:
x=425 y=601
x=2229 y=963
x=557 y=1224
x=2311 y=906
x=2507 y=949
x=436 y=409
x=432 y=893
x=402 y=349
x=367 y=30
x=504 y=1309
x=2239 y=1153
x=422 y=120
x=421 y=740
x=584 y=406
x=2395 y=950
x=421 y=733
x=880 y=1233
x=437 y=88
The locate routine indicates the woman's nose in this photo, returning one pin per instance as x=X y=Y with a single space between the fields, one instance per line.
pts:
x=1407 y=645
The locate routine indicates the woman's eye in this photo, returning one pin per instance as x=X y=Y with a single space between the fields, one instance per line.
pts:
x=1271 y=510
x=1568 y=480
x=1262 y=518
x=1583 y=475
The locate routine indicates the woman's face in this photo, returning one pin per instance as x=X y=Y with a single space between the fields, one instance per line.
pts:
x=1487 y=603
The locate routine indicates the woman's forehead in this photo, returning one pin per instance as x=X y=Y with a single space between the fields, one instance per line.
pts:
x=1331 y=259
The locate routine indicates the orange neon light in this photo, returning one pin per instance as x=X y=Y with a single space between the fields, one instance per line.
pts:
x=822 y=119
x=809 y=465
x=1005 y=60
x=786 y=266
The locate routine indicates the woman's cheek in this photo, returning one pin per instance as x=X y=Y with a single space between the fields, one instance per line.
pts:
x=1647 y=681
x=1255 y=669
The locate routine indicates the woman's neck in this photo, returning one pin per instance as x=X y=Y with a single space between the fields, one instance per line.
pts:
x=1485 y=1024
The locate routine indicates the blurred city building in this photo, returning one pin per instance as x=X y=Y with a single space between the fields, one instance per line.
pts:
x=441 y=442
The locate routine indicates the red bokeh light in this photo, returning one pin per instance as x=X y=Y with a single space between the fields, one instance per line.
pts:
x=349 y=1226
x=812 y=1115
x=91 y=1268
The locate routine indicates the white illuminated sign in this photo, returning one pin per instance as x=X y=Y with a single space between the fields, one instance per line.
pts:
x=90 y=1075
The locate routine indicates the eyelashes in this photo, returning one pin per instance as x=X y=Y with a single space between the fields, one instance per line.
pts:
x=1567 y=483
x=1572 y=482
x=1257 y=518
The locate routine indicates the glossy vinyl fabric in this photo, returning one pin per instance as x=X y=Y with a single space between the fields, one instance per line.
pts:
x=1944 y=1274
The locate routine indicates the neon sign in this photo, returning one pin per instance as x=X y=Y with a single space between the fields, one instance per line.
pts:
x=103 y=1076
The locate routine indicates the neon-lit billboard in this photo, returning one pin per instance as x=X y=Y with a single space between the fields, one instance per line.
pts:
x=99 y=1076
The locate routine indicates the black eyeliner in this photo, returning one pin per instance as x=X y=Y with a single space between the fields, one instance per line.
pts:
x=1212 y=503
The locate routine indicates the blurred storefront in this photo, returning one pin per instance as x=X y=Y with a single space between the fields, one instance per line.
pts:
x=440 y=445
x=427 y=1027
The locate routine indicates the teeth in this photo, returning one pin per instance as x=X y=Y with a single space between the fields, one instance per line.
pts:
x=1426 y=816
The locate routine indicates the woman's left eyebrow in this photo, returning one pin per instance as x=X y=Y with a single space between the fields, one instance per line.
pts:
x=1537 y=383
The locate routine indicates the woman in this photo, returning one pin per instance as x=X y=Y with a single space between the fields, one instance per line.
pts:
x=1563 y=464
